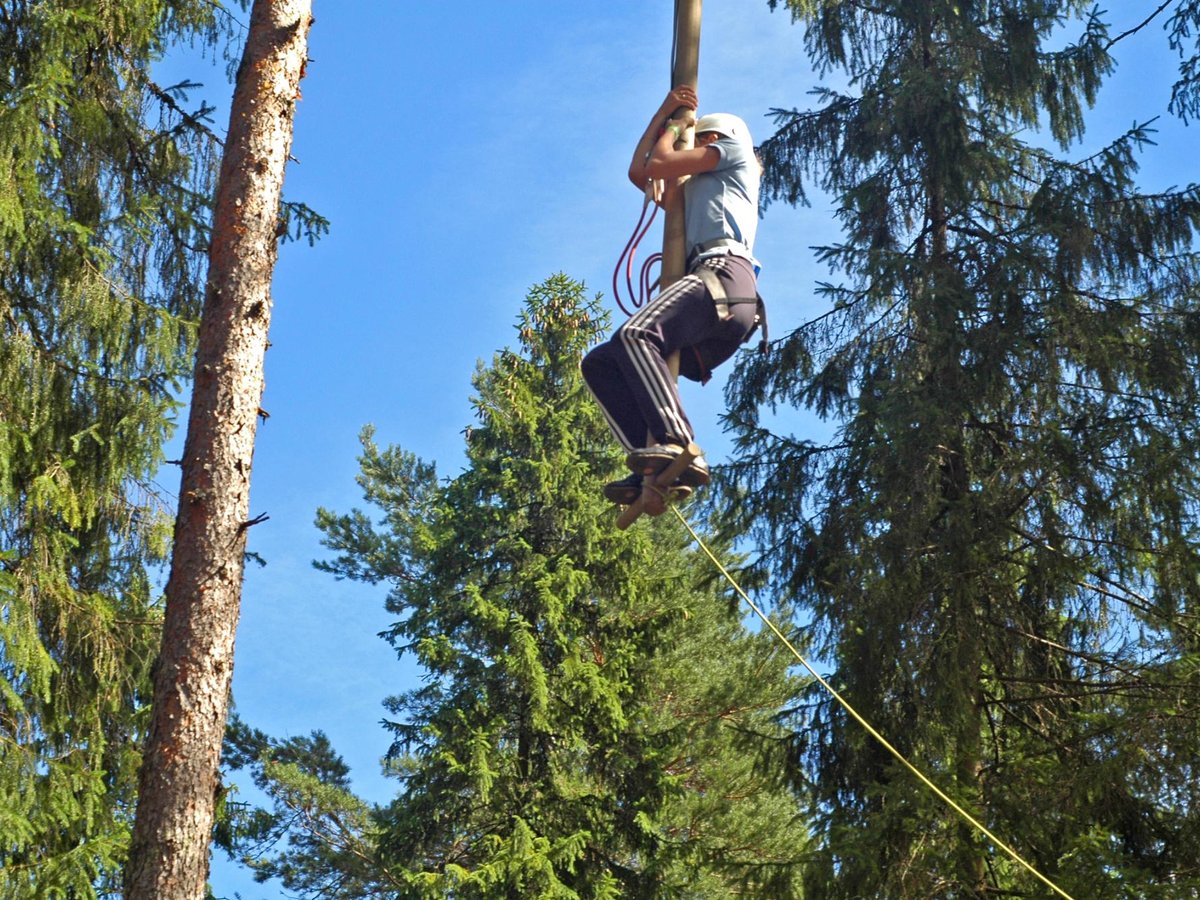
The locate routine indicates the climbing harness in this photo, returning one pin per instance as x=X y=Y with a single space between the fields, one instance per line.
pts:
x=637 y=298
x=716 y=290
x=717 y=244
x=845 y=704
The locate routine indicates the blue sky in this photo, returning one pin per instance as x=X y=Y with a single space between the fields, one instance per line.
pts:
x=463 y=153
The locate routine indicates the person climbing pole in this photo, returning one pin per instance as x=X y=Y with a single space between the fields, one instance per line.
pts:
x=706 y=315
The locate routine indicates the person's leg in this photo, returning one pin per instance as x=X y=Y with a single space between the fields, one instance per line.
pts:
x=604 y=379
x=678 y=317
x=630 y=379
x=736 y=275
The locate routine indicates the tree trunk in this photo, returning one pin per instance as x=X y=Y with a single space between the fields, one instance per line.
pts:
x=170 y=850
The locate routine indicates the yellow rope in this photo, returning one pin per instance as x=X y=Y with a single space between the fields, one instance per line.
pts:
x=863 y=722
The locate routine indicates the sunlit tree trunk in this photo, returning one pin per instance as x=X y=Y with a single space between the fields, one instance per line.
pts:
x=169 y=856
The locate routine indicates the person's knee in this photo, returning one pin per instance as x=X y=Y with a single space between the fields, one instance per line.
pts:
x=594 y=363
x=633 y=336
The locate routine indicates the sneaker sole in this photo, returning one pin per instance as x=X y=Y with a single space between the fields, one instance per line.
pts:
x=652 y=465
x=647 y=464
x=626 y=498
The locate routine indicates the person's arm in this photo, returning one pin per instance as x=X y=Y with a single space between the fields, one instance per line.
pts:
x=656 y=148
x=666 y=162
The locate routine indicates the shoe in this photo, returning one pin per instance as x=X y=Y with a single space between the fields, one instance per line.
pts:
x=651 y=460
x=628 y=489
x=696 y=474
x=624 y=491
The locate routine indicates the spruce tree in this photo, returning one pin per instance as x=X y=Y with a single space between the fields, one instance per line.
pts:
x=104 y=176
x=997 y=548
x=594 y=721
x=1183 y=29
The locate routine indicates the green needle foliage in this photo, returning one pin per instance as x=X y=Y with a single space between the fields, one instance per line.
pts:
x=104 y=179
x=1183 y=30
x=595 y=721
x=998 y=547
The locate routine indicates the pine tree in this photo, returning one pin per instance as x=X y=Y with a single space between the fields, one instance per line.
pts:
x=997 y=549
x=178 y=780
x=595 y=721
x=104 y=177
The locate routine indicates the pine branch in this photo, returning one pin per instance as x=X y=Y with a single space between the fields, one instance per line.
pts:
x=1132 y=31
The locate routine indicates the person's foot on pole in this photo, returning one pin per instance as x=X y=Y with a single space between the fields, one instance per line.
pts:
x=652 y=460
x=625 y=491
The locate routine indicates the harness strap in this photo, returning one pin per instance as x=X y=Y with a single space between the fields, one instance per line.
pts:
x=715 y=244
x=705 y=246
x=717 y=291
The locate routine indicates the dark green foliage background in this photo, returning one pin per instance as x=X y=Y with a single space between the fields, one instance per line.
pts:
x=998 y=547
x=104 y=185
x=995 y=553
x=595 y=721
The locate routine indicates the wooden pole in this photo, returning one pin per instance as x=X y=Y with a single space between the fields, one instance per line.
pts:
x=686 y=70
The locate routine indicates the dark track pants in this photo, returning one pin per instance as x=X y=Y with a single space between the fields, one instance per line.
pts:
x=628 y=373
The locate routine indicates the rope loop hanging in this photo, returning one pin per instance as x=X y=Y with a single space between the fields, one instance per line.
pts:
x=636 y=295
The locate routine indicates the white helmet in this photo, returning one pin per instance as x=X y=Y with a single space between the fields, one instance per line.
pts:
x=727 y=124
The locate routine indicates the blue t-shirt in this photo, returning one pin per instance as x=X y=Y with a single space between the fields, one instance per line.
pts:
x=723 y=202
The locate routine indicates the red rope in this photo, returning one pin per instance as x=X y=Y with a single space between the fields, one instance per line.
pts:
x=645 y=284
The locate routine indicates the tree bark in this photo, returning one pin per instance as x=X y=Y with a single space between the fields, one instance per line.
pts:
x=169 y=855
x=685 y=69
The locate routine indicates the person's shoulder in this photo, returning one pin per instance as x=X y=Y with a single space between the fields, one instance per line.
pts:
x=734 y=148
x=735 y=153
